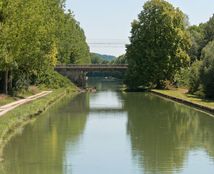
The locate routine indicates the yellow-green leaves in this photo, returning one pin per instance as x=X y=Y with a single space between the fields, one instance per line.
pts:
x=159 y=45
x=35 y=35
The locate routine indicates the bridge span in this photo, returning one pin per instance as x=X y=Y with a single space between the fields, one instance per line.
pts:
x=77 y=73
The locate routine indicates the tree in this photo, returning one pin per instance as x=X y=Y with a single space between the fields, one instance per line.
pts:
x=96 y=59
x=209 y=30
x=194 y=77
x=71 y=40
x=197 y=34
x=35 y=35
x=120 y=60
x=159 y=45
x=207 y=70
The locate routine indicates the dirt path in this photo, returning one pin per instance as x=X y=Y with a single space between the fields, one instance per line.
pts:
x=6 y=108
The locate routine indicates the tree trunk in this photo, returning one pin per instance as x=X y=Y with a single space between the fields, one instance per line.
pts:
x=10 y=82
x=6 y=82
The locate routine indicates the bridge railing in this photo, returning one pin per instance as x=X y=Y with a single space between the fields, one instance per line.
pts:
x=92 y=66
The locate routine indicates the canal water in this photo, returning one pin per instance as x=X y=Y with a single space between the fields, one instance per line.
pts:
x=110 y=132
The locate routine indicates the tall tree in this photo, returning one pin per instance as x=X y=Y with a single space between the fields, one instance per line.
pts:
x=207 y=70
x=35 y=35
x=209 y=30
x=197 y=34
x=159 y=45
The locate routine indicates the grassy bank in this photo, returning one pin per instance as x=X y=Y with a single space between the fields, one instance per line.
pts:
x=24 y=113
x=6 y=99
x=182 y=96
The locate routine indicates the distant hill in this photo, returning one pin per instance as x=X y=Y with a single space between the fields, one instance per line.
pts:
x=103 y=57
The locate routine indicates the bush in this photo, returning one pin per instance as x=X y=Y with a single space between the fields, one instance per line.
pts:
x=53 y=80
x=207 y=70
x=194 y=77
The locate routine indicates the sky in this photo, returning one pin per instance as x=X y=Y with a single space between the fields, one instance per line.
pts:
x=107 y=23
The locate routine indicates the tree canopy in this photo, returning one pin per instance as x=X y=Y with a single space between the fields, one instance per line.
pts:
x=158 y=45
x=207 y=70
x=120 y=60
x=35 y=35
x=201 y=78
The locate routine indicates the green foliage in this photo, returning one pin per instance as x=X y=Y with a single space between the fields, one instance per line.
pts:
x=105 y=57
x=197 y=39
x=159 y=45
x=194 y=77
x=209 y=30
x=201 y=78
x=120 y=60
x=182 y=77
x=207 y=70
x=73 y=48
x=96 y=59
x=53 y=80
x=35 y=35
x=101 y=59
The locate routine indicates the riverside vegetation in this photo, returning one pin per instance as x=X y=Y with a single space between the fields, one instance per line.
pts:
x=20 y=116
x=36 y=35
x=165 y=51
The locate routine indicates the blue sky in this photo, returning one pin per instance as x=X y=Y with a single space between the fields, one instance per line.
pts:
x=107 y=23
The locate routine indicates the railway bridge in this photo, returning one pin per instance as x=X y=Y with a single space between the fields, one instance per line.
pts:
x=77 y=73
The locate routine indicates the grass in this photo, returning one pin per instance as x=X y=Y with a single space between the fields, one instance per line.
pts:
x=24 y=113
x=6 y=99
x=182 y=94
x=32 y=90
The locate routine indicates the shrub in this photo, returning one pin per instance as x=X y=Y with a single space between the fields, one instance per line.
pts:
x=53 y=80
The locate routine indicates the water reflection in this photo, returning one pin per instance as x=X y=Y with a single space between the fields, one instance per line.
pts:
x=41 y=147
x=110 y=132
x=163 y=134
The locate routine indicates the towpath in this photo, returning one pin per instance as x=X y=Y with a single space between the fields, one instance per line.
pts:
x=6 y=108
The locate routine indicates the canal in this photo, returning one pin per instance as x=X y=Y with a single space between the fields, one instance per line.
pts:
x=110 y=132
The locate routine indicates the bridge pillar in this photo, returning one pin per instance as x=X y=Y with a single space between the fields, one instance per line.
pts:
x=77 y=77
x=81 y=81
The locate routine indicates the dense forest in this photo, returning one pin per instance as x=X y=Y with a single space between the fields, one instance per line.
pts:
x=35 y=35
x=164 y=50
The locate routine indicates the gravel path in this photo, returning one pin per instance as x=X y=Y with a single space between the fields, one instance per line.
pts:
x=6 y=108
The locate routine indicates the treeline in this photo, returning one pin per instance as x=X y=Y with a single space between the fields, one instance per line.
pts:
x=120 y=60
x=164 y=50
x=201 y=72
x=107 y=59
x=35 y=35
x=98 y=59
x=101 y=59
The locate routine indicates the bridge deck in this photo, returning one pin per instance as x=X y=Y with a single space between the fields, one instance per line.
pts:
x=92 y=67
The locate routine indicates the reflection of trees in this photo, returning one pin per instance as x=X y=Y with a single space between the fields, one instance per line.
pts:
x=103 y=84
x=63 y=124
x=162 y=133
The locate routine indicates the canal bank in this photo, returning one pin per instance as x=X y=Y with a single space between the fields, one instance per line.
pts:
x=190 y=100
x=22 y=115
